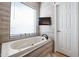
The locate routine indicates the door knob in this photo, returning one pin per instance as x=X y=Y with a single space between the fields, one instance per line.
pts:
x=58 y=31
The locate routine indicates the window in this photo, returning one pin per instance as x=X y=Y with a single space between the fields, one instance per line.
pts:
x=23 y=19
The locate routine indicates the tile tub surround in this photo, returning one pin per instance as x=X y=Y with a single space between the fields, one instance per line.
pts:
x=47 y=10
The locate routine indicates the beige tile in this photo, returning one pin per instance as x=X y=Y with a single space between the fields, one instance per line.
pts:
x=57 y=55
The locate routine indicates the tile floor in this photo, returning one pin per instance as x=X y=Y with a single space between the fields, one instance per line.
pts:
x=55 y=55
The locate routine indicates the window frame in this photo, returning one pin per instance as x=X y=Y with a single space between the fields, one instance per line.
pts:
x=35 y=25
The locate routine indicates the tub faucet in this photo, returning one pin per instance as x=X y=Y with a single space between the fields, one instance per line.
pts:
x=45 y=35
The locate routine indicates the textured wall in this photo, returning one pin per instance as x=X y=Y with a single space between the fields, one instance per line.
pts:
x=47 y=10
x=4 y=21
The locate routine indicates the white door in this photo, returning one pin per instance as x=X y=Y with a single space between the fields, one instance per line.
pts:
x=61 y=37
x=64 y=29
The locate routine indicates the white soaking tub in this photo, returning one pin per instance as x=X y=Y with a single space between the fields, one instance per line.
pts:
x=22 y=47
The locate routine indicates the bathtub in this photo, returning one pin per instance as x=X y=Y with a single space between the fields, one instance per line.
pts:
x=22 y=47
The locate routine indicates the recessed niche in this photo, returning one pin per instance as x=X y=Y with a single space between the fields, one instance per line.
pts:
x=45 y=21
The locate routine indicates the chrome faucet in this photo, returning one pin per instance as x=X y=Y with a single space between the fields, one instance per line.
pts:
x=45 y=35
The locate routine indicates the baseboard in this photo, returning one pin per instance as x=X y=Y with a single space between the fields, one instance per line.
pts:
x=62 y=54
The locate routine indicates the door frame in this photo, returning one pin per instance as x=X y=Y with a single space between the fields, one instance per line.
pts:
x=56 y=6
x=55 y=17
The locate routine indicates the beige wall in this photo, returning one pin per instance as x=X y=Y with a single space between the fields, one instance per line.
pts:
x=4 y=21
x=5 y=8
x=47 y=10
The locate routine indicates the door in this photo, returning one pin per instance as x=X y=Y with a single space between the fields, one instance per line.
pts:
x=65 y=41
x=61 y=26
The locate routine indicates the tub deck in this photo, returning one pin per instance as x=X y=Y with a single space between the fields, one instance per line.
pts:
x=43 y=51
x=31 y=51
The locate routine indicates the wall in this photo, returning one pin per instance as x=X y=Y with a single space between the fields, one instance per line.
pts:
x=47 y=10
x=4 y=21
x=78 y=29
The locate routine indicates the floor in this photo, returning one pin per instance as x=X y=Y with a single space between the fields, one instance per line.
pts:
x=55 y=55
x=58 y=55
